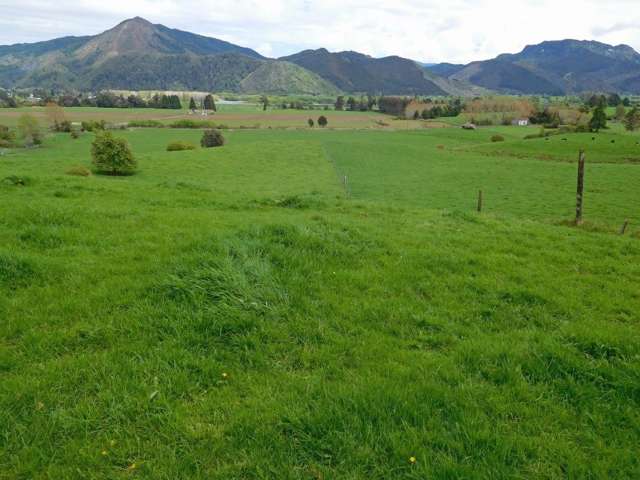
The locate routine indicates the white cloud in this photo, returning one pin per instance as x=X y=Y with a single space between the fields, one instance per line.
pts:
x=428 y=30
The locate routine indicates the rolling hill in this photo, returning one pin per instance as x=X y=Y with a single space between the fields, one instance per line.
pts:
x=555 y=68
x=137 y=55
x=355 y=72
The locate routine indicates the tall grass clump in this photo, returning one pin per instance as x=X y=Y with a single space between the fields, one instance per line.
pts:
x=179 y=146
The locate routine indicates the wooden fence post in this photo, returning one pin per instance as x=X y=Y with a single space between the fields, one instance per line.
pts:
x=480 y=201
x=580 y=192
x=623 y=230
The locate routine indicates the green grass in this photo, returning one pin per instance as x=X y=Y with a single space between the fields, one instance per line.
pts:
x=235 y=116
x=354 y=333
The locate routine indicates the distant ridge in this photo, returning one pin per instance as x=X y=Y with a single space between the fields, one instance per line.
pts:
x=554 y=67
x=355 y=72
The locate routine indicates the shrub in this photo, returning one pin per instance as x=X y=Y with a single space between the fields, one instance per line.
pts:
x=94 y=126
x=212 y=138
x=497 y=138
x=112 y=156
x=29 y=129
x=186 y=123
x=179 y=146
x=79 y=171
x=145 y=124
x=322 y=121
x=16 y=181
x=62 y=127
x=7 y=137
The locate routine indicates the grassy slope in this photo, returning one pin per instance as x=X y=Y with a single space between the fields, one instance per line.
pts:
x=354 y=333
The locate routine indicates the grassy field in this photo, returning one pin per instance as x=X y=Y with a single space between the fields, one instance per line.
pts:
x=234 y=116
x=236 y=313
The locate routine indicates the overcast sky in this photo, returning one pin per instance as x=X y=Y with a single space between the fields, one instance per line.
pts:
x=424 y=30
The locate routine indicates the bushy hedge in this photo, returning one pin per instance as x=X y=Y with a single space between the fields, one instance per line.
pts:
x=497 y=138
x=212 y=138
x=187 y=123
x=94 y=125
x=179 y=146
x=145 y=124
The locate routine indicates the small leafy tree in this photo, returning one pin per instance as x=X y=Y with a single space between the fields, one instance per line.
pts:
x=416 y=115
x=7 y=137
x=212 y=138
x=192 y=105
x=209 y=103
x=264 y=100
x=112 y=156
x=29 y=130
x=621 y=112
x=632 y=120
x=340 y=103
x=55 y=114
x=311 y=123
x=599 y=120
x=322 y=121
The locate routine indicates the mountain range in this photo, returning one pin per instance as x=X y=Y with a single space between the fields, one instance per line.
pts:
x=139 y=55
x=554 y=68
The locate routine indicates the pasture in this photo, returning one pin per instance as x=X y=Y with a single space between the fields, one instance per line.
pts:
x=237 y=313
x=233 y=116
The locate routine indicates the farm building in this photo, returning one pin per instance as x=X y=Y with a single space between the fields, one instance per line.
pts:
x=520 y=122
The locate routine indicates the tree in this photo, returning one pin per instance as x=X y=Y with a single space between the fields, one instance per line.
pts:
x=340 y=103
x=174 y=102
x=192 y=105
x=597 y=101
x=112 y=156
x=264 y=100
x=209 y=103
x=29 y=130
x=632 y=120
x=311 y=123
x=351 y=104
x=322 y=121
x=599 y=120
x=614 y=100
x=55 y=114
x=416 y=115
x=626 y=102
x=7 y=137
x=212 y=138
x=621 y=112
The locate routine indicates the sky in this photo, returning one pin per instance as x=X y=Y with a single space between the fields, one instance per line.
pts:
x=457 y=31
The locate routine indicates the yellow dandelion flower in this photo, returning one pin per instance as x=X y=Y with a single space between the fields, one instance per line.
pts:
x=225 y=375
x=133 y=466
x=104 y=453
x=412 y=460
